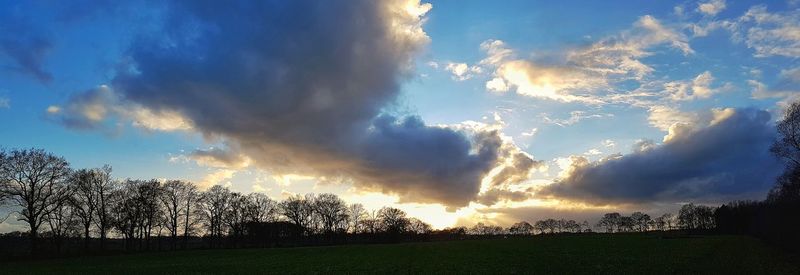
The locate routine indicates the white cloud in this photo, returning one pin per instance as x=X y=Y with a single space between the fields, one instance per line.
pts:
x=769 y=34
x=530 y=133
x=609 y=143
x=462 y=71
x=664 y=117
x=53 y=109
x=711 y=7
x=585 y=73
x=218 y=177
x=786 y=86
x=497 y=84
x=5 y=103
x=620 y=55
x=574 y=117
x=697 y=88
x=593 y=152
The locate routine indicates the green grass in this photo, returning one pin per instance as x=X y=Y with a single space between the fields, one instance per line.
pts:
x=585 y=254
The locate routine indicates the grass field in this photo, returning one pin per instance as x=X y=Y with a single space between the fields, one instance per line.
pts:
x=586 y=254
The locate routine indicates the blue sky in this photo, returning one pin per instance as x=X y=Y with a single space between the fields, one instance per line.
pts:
x=572 y=87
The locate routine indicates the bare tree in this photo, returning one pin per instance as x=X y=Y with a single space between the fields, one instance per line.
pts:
x=521 y=228
x=191 y=200
x=124 y=213
x=213 y=205
x=298 y=210
x=357 y=215
x=610 y=221
x=31 y=180
x=262 y=208
x=148 y=195
x=103 y=187
x=393 y=220
x=235 y=215
x=61 y=215
x=664 y=222
x=84 y=201
x=417 y=226
x=332 y=211
x=172 y=197
x=641 y=220
x=787 y=146
x=788 y=143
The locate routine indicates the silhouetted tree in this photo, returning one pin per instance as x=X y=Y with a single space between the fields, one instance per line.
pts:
x=213 y=205
x=148 y=197
x=393 y=220
x=641 y=220
x=236 y=215
x=172 y=198
x=521 y=228
x=32 y=179
x=60 y=216
x=103 y=187
x=332 y=212
x=262 y=208
x=417 y=226
x=626 y=224
x=298 y=210
x=696 y=217
x=610 y=221
x=84 y=200
x=190 y=203
x=357 y=215
x=664 y=222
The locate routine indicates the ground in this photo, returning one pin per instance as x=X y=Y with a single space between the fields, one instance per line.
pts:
x=584 y=254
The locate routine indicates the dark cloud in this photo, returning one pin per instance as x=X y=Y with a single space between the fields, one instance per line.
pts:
x=727 y=159
x=300 y=87
x=22 y=44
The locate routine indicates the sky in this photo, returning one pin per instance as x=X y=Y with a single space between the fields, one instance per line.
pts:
x=455 y=111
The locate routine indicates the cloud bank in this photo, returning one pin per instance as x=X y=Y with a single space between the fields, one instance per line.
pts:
x=726 y=156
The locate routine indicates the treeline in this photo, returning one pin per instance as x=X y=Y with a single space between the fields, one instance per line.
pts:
x=777 y=218
x=690 y=217
x=88 y=210
x=60 y=204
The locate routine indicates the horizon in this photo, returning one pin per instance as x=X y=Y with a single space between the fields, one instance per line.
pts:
x=454 y=112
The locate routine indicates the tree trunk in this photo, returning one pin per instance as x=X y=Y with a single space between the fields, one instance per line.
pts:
x=34 y=239
x=86 y=236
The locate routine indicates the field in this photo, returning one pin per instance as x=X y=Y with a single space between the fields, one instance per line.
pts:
x=586 y=254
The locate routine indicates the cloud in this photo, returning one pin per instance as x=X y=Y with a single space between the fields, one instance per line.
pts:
x=711 y=7
x=786 y=86
x=462 y=71
x=95 y=109
x=697 y=88
x=574 y=117
x=584 y=73
x=620 y=56
x=664 y=117
x=218 y=177
x=769 y=34
x=300 y=87
x=530 y=133
x=5 y=103
x=23 y=45
x=220 y=158
x=725 y=157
